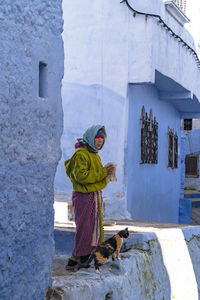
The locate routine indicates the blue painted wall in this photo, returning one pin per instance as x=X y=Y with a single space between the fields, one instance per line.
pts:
x=193 y=141
x=185 y=211
x=153 y=191
x=31 y=128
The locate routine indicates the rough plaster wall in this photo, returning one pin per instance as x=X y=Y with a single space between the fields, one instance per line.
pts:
x=30 y=130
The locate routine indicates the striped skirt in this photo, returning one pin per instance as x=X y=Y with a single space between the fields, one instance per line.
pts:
x=86 y=212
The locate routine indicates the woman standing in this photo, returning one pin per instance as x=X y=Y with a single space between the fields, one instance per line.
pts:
x=88 y=177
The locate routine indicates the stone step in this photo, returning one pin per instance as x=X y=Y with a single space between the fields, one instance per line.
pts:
x=162 y=263
x=196 y=202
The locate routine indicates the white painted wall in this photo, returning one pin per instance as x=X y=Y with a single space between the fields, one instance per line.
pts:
x=193 y=12
x=103 y=40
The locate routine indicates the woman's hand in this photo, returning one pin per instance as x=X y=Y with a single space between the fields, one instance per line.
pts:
x=110 y=168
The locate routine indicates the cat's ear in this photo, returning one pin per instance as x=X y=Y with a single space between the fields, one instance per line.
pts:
x=126 y=228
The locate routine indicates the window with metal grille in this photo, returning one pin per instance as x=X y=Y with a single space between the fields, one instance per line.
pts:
x=191 y=166
x=149 y=138
x=175 y=151
x=187 y=124
x=181 y=4
x=172 y=149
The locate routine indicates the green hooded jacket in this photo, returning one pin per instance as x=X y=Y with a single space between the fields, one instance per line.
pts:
x=84 y=168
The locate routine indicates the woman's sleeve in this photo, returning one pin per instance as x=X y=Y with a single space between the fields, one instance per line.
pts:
x=83 y=175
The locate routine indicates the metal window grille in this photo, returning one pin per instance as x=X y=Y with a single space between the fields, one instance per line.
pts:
x=172 y=149
x=191 y=166
x=175 y=151
x=149 y=138
x=181 y=4
x=187 y=124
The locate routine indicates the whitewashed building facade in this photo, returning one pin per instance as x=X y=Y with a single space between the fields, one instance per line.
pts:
x=132 y=66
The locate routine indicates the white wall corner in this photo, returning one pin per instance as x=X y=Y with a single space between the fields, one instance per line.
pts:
x=176 y=12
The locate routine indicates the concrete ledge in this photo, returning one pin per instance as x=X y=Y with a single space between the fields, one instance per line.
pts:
x=164 y=264
x=193 y=195
x=196 y=203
